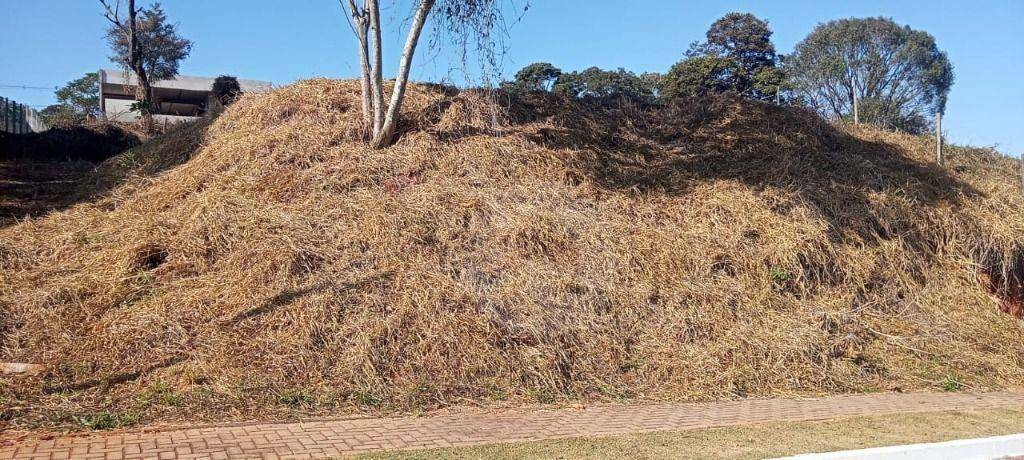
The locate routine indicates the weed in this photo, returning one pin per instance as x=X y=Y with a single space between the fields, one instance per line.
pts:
x=296 y=398
x=162 y=393
x=106 y=420
x=542 y=396
x=780 y=275
x=953 y=383
x=367 y=399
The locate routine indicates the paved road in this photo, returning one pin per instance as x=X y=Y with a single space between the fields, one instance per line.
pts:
x=330 y=438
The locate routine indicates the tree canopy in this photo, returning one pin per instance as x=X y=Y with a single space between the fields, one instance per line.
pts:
x=539 y=76
x=898 y=72
x=76 y=101
x=160 y=48
x=744 y=38
x=226 y=89
x=738 y=55
x=598 y=83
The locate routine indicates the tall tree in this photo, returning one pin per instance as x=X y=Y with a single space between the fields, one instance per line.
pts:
x=467 y=20
x=743 y=37
x=148 y=46
x=738 y=55
x=900 y=72
x=77 y=101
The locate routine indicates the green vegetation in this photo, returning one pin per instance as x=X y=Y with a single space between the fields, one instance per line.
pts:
x=160 y=47
x=597 y=83
x=106 y=420
x=738 y=56
x=296 y=398
x=77 y=101
x=953 y=383
x=163 y=394
x=899 y=73
x=539 y=76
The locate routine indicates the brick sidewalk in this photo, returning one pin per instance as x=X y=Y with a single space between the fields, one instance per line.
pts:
x=331 y=438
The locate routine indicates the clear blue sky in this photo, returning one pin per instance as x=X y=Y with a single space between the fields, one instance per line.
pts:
x=48 y=42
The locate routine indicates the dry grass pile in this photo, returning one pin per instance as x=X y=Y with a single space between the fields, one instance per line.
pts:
x=552 y=250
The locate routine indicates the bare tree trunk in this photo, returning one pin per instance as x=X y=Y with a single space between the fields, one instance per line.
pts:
x=383 y=137
x=144 y=93
x=376 y=65
x=143 y=90
x=361 y=24
x=853 y=92
x=938 y=137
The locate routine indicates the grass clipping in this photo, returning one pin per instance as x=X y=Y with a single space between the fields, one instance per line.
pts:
x=550 y=250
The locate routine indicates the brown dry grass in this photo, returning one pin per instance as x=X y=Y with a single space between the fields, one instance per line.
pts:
x=711 y=249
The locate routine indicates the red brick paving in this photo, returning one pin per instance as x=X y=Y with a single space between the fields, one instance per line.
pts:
x=332 y=438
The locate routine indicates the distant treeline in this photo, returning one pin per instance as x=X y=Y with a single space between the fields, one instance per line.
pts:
x=897 y=76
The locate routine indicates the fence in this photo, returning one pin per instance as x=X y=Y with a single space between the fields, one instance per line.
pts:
x=19 y=118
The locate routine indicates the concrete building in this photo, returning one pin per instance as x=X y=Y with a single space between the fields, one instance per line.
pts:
x=178 y=99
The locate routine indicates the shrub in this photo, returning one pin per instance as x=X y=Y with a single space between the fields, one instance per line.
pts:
x=226 y=89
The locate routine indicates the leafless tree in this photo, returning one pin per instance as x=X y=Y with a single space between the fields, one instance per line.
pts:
x=462 y=17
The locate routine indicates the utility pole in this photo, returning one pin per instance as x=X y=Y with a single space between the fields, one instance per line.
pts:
x=938 y=136
x=853 y=92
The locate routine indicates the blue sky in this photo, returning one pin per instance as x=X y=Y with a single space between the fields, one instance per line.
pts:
x=48 y=42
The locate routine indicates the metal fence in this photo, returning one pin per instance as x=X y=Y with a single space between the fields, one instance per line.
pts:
x=19 y=118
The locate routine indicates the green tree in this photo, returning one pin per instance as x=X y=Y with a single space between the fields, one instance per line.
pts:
x=899 y=73
x=743 y=37
x=738 y=55
x=701 y=75
x=539 y=76
x=147 y=45
x=597 y=83
x=77 y=101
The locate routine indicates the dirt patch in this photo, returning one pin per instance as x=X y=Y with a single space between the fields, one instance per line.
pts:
x=1007 y=288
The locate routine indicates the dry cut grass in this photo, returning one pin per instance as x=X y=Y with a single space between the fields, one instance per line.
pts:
x=509 y=250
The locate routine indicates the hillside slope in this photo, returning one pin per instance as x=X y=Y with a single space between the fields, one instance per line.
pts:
x=554 y=250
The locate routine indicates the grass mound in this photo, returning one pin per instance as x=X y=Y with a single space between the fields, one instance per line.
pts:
x=546 y=251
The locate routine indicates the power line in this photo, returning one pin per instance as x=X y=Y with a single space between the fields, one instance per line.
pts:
x=26 y=87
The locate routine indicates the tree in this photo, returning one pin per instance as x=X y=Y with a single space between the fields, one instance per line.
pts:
x=539 y=76
x=466 y=19
x=738 y=55
x=700 y=75
x=77 y=101
x=226 y=89
x=743 y=37
x=603 y=84
x=898 y=71
x=145 y=44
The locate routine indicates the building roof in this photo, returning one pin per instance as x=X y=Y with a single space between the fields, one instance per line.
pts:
x=180 y=82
